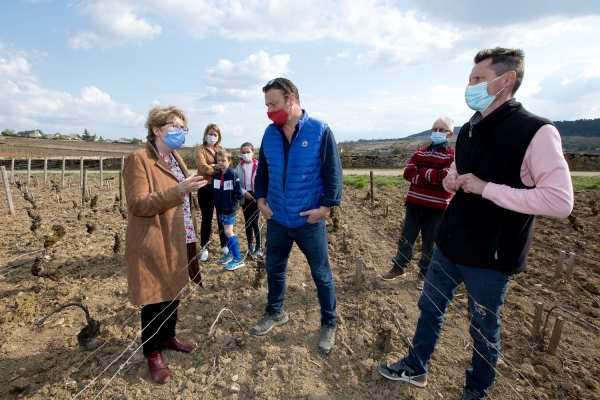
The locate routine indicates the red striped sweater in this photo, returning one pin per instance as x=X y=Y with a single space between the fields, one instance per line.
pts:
x=425 y=171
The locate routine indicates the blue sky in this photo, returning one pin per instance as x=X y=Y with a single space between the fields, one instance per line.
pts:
x=369 y=68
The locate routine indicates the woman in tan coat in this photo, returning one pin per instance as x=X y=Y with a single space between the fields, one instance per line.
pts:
x=160 y=251
x=206 y=161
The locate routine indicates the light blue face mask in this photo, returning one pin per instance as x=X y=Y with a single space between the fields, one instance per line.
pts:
x=438 y=137
x=477 y=96
x=174 y=139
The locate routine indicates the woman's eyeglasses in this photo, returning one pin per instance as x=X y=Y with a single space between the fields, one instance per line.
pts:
x=441 y=130
x=177 y=126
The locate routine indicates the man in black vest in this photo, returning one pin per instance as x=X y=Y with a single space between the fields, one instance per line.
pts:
x=508 y=168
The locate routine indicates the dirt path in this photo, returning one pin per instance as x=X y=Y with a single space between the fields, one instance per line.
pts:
x=47 y=363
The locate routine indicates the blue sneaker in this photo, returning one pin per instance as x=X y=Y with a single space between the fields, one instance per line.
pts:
x=226 y=260
x=399 y=371
x=233 y=265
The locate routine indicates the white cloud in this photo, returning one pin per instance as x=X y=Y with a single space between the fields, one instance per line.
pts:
x=116 y=23
x=26 y=104
x=395 y=38
x=338 y=56
x=508 y=12
x=241 y=81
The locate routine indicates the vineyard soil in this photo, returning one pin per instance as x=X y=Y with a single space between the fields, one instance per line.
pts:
x=47 y=362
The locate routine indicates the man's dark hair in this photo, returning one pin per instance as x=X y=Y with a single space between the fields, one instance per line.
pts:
x=283 y=84
x=503 y=61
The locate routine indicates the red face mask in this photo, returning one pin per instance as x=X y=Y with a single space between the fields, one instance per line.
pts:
x=278 y=117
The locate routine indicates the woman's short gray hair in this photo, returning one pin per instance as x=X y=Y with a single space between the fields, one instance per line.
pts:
x=448 y=121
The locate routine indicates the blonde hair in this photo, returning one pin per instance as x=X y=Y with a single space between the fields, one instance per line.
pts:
x=224 y=153
x=216 y=129
x=159 y=116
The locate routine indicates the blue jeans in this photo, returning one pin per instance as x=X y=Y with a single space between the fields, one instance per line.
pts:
x=312 y=241
x=486 y=290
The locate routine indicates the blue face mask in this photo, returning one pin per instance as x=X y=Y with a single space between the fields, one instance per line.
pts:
x=438 y=137
x=477 y=96
x=174 y=139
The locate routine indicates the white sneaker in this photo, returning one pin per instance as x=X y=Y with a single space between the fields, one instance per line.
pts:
x=204 y=256
x=224 y=250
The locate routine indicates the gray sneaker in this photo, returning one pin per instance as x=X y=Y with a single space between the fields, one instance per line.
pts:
x=257 y=253
x=471 y=394
x=327 y=340
x=269 y=322
x=399 y=371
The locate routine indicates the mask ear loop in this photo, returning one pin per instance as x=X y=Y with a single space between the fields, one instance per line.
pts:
x=494 y=80
x=500 y=91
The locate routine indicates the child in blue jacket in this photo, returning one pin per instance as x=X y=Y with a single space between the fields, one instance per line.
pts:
x=227 y=193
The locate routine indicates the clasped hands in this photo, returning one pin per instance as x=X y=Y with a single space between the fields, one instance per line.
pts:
x=469 y=183
x=314 y=215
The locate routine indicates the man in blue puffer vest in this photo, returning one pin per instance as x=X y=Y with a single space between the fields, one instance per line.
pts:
x=298 y=179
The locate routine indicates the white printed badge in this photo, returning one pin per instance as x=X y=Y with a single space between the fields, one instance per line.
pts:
x=228 y=185
x=217 y=183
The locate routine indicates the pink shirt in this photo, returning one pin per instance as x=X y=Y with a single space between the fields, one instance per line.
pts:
x=543 y=166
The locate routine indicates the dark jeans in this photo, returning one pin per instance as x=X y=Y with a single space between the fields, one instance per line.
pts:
x=418 y=219
x=312 y=242
x=486 y=290
x=207 y=208
x=158 y=324
x=251 y=217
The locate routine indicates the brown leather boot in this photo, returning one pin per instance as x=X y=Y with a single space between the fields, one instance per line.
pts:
x=178 y=345
x=158 y=369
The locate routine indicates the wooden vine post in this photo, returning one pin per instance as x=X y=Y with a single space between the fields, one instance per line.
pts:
x=83 y=189
x=556 y=332
x=45 y=171
x=81 y=172
x=101 y=172
x=62 y=173
x=7 y=190
x=537 y=321
x=28 y=170
x=359 y=274
x=121 y=182
x=12 y=170
x=371 y=176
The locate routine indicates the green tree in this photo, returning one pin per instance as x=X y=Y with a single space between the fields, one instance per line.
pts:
x=8 y=132
x=100 y=139
x=86 y=135
x=136 y=141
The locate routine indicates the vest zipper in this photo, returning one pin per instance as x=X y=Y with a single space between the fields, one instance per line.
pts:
x=470 y=130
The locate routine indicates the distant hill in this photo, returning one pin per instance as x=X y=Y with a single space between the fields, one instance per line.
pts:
x=580 y=127
x=579 y=135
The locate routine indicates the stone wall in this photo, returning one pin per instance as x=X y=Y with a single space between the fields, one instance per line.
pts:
x=583 y=161
x=377 y=162
x=576 y=161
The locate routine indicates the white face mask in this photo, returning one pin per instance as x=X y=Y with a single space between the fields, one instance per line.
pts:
x=211 y=139
x=247 y=157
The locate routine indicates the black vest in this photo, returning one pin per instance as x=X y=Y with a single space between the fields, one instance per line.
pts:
x=474 y=231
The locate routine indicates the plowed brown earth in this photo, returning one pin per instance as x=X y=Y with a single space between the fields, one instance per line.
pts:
x=46 y=362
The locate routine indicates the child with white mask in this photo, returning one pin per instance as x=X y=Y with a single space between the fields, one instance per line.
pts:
x=246 y=171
